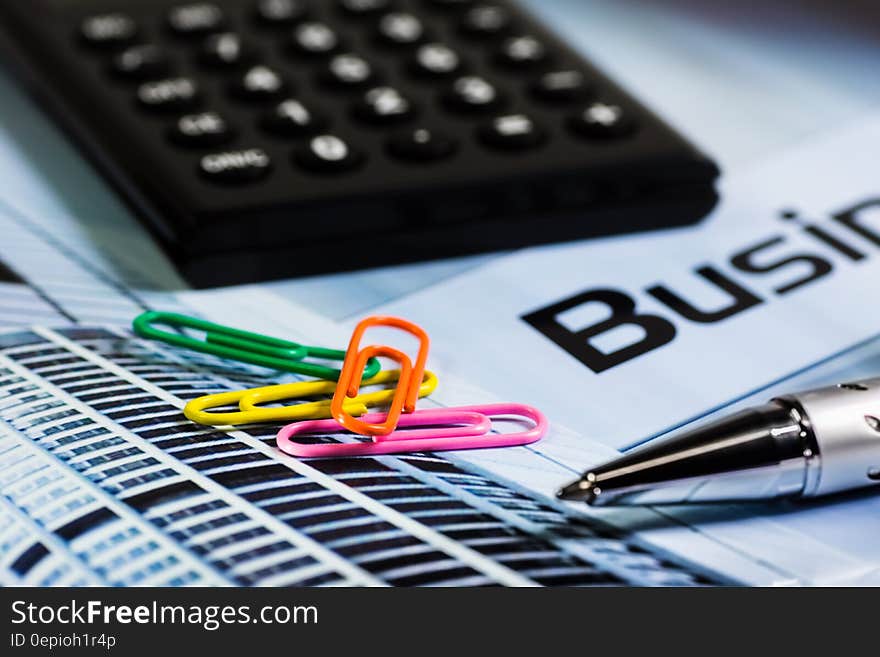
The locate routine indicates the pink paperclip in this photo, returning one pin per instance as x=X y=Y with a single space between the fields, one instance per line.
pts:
x=470 y=431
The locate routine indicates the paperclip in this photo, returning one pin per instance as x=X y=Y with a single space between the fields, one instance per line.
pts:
x=244 y=346
x=471 y=433
x=407 y=392
x=250 y=411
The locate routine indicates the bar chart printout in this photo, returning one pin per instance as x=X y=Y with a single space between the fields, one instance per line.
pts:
x=103 y=481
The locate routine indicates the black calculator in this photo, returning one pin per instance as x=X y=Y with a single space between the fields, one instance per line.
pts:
x=263 y=139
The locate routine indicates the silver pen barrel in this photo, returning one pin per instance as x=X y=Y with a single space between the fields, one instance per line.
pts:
x=804 y=445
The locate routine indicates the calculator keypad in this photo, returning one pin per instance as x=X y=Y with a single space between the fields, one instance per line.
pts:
x=393 y=66
x=239 y=128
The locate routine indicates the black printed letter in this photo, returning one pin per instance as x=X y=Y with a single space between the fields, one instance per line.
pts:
x=743 y=262
x=658 y=331
x=742 y=298
x=848 y=218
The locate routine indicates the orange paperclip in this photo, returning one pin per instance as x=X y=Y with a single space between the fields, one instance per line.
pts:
x=406 y=394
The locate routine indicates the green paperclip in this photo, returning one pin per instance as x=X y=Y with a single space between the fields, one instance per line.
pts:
x=243 y=346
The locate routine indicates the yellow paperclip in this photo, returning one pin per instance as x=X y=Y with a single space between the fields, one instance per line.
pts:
x=250 y=411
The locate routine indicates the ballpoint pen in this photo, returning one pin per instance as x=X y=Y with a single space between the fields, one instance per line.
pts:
x=796 y=446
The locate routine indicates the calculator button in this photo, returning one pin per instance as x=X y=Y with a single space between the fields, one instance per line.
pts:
x=169 y=95
x=281 y=12
x=141 y=63
x=314 y=39
x=199 y=130
x=512 y=132
x=486 y=21
x=562 y=86
x=349 y=71
x=421 y=145
x=473 y=94
x=602 y=121
x=109 y=30
x=383 y=106
x=259 y=83
x=238 y=166
x=292 y=118
x=522 y=52
x=400 y=29
x=328 y=154
x=196 y=19
x=436 y=60
x=365 y=7
x=225 y=50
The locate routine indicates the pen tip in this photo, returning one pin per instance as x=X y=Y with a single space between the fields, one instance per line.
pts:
x=583 y=490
